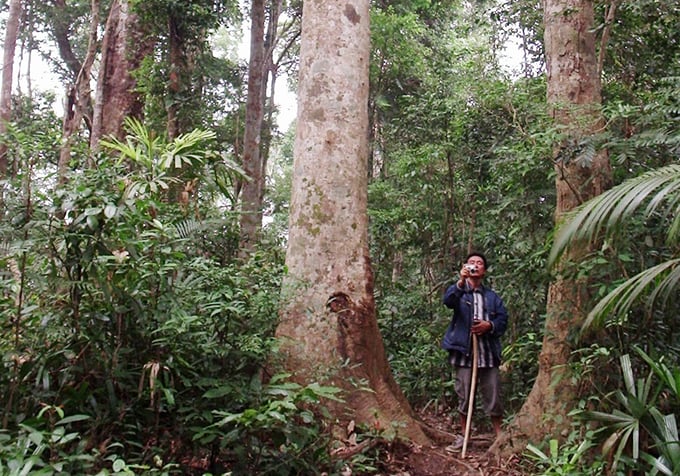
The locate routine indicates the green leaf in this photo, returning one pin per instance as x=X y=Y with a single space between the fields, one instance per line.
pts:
x=93 y=211
x=169 y=396
x=218 y=392
x=118 y=465
x=36 y=437
x=72 y=419
x=110 y=211
x=536 y=451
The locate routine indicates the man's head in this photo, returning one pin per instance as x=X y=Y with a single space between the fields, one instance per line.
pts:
x=477 y=260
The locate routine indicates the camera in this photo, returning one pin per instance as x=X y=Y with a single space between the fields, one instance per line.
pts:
x=472 y=268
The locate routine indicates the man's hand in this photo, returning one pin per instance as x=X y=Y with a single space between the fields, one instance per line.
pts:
x=464 y=274
x=481 y=327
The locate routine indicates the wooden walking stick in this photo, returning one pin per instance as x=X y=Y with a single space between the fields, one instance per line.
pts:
x=471 y=399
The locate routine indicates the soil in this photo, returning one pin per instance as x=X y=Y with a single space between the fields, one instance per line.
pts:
x=433 y=460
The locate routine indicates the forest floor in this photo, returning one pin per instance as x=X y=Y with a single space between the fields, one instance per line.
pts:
x=435 y=460
x=399 y=458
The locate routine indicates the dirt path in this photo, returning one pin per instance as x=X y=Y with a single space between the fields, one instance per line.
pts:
x=434 y=460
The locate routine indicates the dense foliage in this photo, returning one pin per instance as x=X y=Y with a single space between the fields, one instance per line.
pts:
x=135 y=339
x=115 y=305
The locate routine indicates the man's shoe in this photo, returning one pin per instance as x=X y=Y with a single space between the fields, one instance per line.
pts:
x=456 y=446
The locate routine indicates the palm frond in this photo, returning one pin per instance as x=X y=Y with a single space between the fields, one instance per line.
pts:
x=186 y=149
x=139 y=146
x=601 y=215
x=225 y=172
x=657 y=283
x=670 y=377
x=666 y=442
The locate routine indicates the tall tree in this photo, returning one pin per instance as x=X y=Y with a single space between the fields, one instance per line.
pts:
x=79 y=96
x=328 y=326
x=11 y=34
x=251 y=202
x=124 y=46
x=179 y=67
x=185 y=27
x=271 y=40
x=582 y=172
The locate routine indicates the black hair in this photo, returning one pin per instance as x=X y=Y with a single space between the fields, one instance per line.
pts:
x=475 y=253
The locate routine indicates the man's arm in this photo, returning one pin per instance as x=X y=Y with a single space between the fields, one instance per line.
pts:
x=500 y=319
x=452 y=295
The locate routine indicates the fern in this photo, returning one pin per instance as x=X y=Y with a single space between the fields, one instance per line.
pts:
x=187 y=227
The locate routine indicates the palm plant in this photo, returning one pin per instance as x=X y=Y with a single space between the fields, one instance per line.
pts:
x=666 y=439
x=627 y=421
x=637 y=418
x=159 y=160
x=658 y=191
x=155 y=157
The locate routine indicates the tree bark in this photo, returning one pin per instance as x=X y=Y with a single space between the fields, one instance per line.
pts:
x=124 y=46
x=328 y=327
x=251 y=205
x=177 y=71
x=574 y=99
x=78 y=98
x=11 y=34
x=268 y=102
x=185 y=43
x=61 y=30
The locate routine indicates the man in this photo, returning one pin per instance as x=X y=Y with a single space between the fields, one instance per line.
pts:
x=478 y=311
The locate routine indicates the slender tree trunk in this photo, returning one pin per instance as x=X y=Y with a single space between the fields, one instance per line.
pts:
x=328 y=327
x=183 y=101
x=78 y=98
x=268 y=103
x=26 y=51
x=251 y=206
x=574 y=98
x=175 y=79
x=61 y=31
x=124 y=46
x=11 y=35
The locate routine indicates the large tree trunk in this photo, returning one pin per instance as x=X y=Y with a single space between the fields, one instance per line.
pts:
x=574 y=98
x=124 y=46
x=251 y=205
x=328 y=327
x=11 y=34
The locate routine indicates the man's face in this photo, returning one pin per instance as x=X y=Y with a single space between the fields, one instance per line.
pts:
x=479 y=263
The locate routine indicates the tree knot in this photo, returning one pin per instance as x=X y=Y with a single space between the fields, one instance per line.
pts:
x=339 y=303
